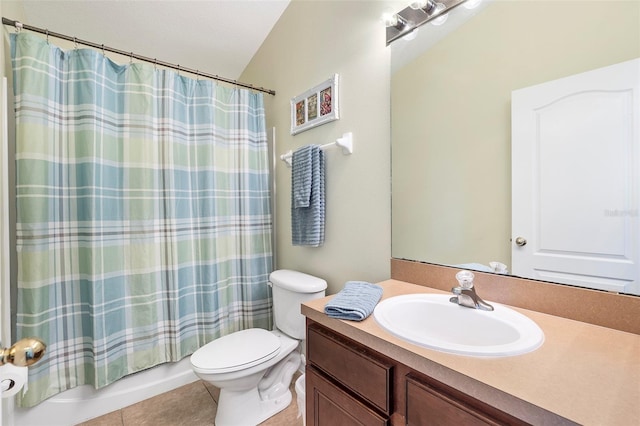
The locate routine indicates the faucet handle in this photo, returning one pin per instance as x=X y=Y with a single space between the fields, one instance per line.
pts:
x=465 y=279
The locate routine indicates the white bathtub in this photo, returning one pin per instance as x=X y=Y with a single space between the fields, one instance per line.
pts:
x=84 y=402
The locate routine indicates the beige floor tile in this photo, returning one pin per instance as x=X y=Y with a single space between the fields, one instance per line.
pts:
x=188 y=405
x=110 y=419
x=192 y=405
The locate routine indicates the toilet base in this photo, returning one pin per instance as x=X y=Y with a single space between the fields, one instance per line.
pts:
x=255 y=405
x=246 y=408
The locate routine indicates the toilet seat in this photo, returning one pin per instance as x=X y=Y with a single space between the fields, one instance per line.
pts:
x=236 y=351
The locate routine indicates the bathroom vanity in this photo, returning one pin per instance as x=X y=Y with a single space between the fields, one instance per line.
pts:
x=347 y=378
x=357 y=373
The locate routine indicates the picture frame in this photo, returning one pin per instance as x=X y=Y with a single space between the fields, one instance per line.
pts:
x=316 y=106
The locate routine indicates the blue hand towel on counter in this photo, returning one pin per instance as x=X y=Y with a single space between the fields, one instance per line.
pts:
x=307 y=196
x=355 y=302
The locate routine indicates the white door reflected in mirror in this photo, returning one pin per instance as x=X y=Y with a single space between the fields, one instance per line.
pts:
x=575 y=149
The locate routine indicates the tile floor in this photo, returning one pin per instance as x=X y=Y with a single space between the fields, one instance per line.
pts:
x=193 y=405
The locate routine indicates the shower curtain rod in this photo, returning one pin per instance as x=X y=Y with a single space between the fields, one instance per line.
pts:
x=19 y=26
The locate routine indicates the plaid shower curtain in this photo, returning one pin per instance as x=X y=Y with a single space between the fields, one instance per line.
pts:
x=143 y=216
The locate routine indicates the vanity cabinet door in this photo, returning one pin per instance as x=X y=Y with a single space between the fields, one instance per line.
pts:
x=352 y=365
x=432 y=403
x=332 y=406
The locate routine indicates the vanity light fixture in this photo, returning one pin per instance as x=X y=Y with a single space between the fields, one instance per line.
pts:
x=394 y=20
x=442 y=18
x=427 y=6
x=431 y=8
x=418 y=13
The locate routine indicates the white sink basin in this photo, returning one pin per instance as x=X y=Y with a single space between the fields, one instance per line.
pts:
x=431 y=320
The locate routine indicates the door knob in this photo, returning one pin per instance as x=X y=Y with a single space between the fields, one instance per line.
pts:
x=521 y=241
x=23 y=353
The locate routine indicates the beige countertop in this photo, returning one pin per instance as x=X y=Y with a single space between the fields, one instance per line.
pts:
x=582 y=373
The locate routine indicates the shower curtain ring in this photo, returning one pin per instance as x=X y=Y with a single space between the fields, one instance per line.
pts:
x=131 y=58
x=103 y=50
x=47 y=30
x=75 y=43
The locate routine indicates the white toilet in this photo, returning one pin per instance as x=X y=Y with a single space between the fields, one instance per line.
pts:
x=253 y=368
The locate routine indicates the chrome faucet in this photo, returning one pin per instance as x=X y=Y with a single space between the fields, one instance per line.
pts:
x=466 y=294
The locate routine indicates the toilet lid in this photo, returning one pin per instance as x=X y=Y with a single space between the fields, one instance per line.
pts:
x=236 y=351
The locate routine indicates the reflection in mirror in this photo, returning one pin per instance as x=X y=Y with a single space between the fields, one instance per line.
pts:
x=451 y=117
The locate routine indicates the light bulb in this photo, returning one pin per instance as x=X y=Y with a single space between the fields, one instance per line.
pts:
x=396 y=21
x=472 y=4
x=411 y=36
x=442 y=18
x=427 y=6
x=390 y=19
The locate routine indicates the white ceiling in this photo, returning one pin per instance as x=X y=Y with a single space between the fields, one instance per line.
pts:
x=214 y=36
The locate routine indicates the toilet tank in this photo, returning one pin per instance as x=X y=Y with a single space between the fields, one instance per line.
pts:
x=290 y=290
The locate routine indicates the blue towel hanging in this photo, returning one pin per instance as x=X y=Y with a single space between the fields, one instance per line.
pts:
x=307 y=196
x=302 y=175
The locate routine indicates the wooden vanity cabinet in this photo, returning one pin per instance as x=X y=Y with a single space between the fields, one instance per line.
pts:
x=429 y=402
x=348 y=384
x=334 y=406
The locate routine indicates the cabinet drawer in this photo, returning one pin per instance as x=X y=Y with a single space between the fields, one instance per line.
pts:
x=430 y=402
x=332 y=406
x=355 y=367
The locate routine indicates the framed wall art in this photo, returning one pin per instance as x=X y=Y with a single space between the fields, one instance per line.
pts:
x=316 y=106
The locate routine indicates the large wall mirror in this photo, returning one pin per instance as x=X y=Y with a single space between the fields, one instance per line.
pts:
x=451 y=117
